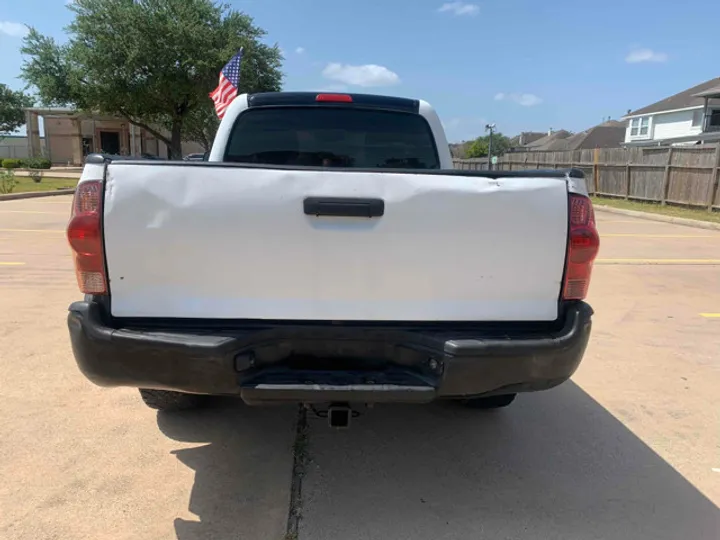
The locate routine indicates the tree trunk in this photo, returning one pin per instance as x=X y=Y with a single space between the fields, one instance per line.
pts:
x=207 y=137
x=155 y=133
x=176 y=139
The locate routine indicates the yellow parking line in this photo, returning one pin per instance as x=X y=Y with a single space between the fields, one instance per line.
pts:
x=710 y=315
x=32 y=230
x=659 y=261
x=660 y=235
x=3 y=263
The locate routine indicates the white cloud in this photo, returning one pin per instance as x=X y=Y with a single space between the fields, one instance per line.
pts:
x=459 y=8
x=645 y=55
x=526 y=100
x=300 y=50
x=366 y=75
x=13 y=29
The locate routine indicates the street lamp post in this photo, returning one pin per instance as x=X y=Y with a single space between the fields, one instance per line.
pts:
x=490 y=128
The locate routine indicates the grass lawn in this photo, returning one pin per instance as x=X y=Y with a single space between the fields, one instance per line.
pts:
x=25 y=184
x=674 y=211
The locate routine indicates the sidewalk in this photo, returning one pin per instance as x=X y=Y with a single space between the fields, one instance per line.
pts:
x=55 y=172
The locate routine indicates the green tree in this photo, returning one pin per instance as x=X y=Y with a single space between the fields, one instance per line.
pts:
x=201 y=125
x=12 y=103
x=479 y=147
x=152 y=62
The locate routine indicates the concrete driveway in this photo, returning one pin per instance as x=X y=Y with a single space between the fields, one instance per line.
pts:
x=629 y=449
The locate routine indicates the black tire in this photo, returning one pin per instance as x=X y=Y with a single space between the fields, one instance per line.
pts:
x=492 y=402
x=166 y=400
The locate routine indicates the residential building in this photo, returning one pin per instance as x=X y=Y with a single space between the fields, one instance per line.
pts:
x=609 y=134
x=552 y=140
x=688 y=117
x=70 y=135
x=526 y=137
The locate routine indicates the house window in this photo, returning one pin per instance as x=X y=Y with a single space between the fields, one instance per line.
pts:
x=697 y=118
x=640 y=127
x=714 y=119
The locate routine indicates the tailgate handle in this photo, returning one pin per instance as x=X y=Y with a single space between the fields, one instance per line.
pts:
x=344 y=206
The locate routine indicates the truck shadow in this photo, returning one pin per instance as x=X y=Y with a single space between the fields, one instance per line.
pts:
x=553 y=465
x=242 y=472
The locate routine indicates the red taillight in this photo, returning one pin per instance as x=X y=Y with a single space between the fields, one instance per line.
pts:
x=583 y=246
x=334 y=98
x=85 y=236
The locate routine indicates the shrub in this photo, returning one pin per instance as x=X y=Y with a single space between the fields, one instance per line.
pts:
x=12 y=163
x=36 y=175
x=36 y=163
x=29 y=163
x=7 y=181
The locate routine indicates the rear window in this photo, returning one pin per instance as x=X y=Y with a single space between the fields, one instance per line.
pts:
x=332 y=137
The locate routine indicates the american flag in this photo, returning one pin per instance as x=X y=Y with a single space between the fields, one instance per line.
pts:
x=228 y=86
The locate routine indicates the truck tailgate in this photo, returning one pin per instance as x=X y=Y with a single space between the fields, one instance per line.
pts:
x=229 y=242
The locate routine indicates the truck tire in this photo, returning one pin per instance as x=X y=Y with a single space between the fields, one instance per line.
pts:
x=492 y=402
x=165 y=400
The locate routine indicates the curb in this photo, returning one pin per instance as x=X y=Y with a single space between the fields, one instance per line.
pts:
x=659 y=217
x=35 y=194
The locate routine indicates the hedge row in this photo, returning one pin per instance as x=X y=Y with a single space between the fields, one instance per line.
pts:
x=26 y=163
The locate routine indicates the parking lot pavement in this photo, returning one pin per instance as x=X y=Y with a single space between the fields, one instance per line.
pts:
x=626 y=450
x=82 y=462
x=554 y=465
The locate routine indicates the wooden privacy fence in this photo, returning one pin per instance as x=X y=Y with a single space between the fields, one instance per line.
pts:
x=676 y=175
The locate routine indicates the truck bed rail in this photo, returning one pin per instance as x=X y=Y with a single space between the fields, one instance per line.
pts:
x=99 y=159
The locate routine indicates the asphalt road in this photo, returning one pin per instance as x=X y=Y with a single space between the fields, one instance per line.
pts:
x=629 y=449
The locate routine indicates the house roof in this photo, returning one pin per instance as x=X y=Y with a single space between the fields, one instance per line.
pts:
x=606 y=135
x=526 y=137
x=682 y=100
x=545 y=143
x=713 y=92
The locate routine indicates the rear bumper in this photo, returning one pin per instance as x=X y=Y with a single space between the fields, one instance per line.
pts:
x=325 y=362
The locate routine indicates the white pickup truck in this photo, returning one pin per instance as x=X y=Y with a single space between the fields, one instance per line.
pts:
x=328 y=253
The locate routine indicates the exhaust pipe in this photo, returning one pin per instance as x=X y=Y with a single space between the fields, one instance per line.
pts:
x=339 y=416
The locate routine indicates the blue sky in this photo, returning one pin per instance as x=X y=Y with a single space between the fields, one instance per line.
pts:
x=523 y=64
